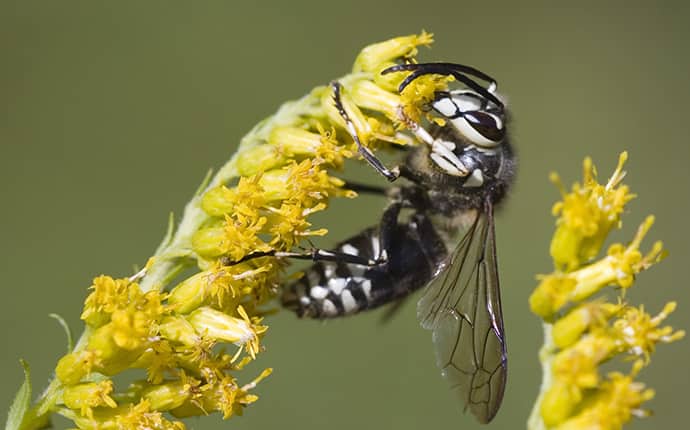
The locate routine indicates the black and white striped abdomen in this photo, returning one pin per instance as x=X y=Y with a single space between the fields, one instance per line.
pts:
x=333 y=288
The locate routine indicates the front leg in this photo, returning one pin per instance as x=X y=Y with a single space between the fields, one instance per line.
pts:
x=390 y=174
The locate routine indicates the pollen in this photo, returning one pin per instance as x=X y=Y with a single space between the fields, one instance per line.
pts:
x=587 y=214
x=615 y=403
x=420 y=93
x=584 y=330
x=641 y=332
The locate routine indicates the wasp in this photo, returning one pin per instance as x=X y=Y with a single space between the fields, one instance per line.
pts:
x=437 y=233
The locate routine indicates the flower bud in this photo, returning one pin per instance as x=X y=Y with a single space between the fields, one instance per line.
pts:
x=551 y=295
x=190 y=293
x=209 y=242
x=389 y=81
x=569 y=328
x=372 y=56
x=258 y=159
x=74 y=367
x=295 y=141
x=167 y=396
x=221 y=326
x=619 y=267
x=359 y=120
x=178 y=329
x=112 y=358
x=89 y=395
x=368 y=95
x=559 y=402
x=218 y=201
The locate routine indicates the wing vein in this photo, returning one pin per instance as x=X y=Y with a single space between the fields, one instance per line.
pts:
x=465 y=291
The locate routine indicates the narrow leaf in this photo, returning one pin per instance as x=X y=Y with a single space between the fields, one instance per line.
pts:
x=68 y=332
x=21 y=402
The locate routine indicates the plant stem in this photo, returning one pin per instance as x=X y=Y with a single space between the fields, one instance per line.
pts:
x=546 y=355
x=175 y=252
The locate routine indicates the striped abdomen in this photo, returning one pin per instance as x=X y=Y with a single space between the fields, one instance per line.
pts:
x=330 y=289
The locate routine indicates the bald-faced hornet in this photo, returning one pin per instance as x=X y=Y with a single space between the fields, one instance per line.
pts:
x=437 y=232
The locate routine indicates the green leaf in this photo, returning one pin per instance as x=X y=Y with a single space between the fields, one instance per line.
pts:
x=168 y=234
x=204 y=184
x=68 y=332
x=21 y=401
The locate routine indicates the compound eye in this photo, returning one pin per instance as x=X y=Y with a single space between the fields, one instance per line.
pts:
x=489 y=126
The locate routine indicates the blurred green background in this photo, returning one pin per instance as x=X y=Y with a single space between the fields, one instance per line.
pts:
x=112 y=112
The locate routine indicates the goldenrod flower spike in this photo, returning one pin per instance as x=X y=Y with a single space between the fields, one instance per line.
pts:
x=260 y=201
x=583 y=331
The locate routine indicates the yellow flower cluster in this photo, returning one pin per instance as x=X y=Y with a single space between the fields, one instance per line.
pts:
x=173 y=340
x=258 y=204
x=583 y=332
x=285 y=176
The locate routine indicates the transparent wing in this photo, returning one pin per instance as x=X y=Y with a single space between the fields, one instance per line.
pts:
x=462 y=307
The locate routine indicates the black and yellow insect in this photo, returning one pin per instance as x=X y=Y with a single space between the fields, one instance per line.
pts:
x=437 y=233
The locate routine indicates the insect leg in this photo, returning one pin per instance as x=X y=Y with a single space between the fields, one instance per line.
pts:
x=364 y=188
x=390 y=174
x=315 y=254
x=388 y=227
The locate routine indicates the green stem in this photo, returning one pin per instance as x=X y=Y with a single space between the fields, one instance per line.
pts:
x=175 y=252
x=546 y=355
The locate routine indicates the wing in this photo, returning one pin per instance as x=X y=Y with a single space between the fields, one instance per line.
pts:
x=462 y=307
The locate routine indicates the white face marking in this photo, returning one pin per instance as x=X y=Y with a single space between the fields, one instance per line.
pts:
x=349 y=249
x=462 y=100
x=465 y=101
x=471 y=134
x=337 y=285
x=445 y=107
x=499 y=121
x=304 y=301
x=318 y=292
x=349 y=303
x=329 y=308
x=476 y=179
